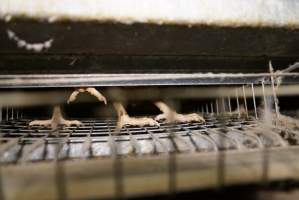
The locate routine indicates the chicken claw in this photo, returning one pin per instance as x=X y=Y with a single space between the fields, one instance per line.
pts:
x=125 y=119
x=57 y=119
x=170 y=115
x=91 y=91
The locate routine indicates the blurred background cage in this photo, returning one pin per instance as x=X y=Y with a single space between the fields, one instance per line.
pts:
x=232 y=62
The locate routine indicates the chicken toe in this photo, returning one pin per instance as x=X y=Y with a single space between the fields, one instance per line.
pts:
x=71 y=123
x=193 y=117
x=46 y=123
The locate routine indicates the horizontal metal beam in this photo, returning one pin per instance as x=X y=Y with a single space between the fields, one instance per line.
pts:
x=84 y=80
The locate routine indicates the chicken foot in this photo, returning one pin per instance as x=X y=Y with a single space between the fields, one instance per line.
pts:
x=56 y=120
x=170 y=115
x=125 y=119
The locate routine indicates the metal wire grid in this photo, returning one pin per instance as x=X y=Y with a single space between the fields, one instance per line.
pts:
x=96 y=137
x=235 y=133
x=21 y=143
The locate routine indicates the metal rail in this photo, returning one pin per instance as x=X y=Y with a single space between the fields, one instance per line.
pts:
x=84 y=80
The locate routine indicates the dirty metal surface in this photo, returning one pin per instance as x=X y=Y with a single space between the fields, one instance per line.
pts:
x=147 y=39
x=83 y=80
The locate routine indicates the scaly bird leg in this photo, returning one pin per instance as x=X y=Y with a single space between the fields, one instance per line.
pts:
x=170 y=115
x=91 y=91
x=56 y=120
x=125 y=119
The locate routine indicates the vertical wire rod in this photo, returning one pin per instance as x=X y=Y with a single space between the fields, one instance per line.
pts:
x=217 y=108
x=6 y=113
x=12 y=113
x=223 y=105
x=172 y=161
x=212 y=109
x=60 y=181
x=254 y=103
x=87 y=146
x=156 y=141
x=111 y=142
x=36 y=144
x=273 y=90
x=238 y=104
x=117 y=164
x=245 y=101
x=229 y=105
x=134 y=142
x=265 y=162
x=0 y=114
x=264 y=95
x=207 y=108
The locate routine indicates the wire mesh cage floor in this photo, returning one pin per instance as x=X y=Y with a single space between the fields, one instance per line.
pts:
x=21 y=143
